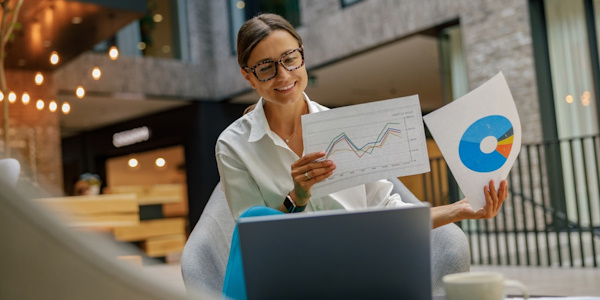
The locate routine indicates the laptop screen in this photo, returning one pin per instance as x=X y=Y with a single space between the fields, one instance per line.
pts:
x=370 y=254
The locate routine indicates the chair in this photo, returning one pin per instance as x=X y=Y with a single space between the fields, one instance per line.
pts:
x=204 y=258
x=9 y=170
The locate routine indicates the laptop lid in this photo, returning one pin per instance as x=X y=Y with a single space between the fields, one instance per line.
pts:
x=370 y=254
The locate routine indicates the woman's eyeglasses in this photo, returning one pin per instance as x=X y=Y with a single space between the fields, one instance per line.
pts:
x=267 y=70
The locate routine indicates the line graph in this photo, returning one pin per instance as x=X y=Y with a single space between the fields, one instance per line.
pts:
x=367 y=148
x=368 y=142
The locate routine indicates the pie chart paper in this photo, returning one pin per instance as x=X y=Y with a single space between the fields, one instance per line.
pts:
x=479 y=135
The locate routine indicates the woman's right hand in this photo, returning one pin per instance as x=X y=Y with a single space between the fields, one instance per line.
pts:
x=306 y=172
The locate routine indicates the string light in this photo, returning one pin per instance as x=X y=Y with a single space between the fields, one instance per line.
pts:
x=1 y=96
x=12 y=97
x=25 y=98
x=66 y=108
x=80 y=92
x=569 y=99
x=52 y=106
x=133 y=163
x=96 y=73
x=39 y=78
x=113 y=52
x=54 y=58
x=39 y=104
x=160 y=162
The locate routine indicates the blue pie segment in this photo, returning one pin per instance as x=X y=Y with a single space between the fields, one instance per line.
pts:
x=469 y=148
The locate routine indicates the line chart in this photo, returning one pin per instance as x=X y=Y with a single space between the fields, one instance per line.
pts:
x=368 y=142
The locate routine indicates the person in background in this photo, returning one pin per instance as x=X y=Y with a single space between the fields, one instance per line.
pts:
x=261 y=158
x=88 y=184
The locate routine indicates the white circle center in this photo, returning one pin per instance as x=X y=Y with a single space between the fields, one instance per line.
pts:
x=488 y=145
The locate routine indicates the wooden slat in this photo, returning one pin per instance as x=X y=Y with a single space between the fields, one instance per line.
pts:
x=104 y=220
x=163 y=245
x=150 y=228
x=152 y=194
x=118 y=203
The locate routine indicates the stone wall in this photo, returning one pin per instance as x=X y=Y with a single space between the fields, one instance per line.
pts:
x=34 y=135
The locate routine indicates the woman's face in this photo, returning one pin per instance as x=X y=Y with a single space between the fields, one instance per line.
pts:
x=287 y=86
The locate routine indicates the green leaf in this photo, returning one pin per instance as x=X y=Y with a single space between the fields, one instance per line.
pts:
x=11 y=37
x=18 y=26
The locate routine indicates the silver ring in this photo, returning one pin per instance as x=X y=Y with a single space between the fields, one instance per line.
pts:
x=306 y=174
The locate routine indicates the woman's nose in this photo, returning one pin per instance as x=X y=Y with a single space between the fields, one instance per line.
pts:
x=282 y=72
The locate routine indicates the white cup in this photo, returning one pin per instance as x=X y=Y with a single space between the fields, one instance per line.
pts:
x=479 y=286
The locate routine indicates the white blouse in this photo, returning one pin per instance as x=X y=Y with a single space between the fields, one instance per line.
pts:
x=255 y=168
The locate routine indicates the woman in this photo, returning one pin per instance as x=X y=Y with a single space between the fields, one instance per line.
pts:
x=256 y=153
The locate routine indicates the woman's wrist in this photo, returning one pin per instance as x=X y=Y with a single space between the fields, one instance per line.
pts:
x=299 y=201
x=291 y=206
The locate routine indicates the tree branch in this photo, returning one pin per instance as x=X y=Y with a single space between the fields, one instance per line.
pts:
x=12 y=23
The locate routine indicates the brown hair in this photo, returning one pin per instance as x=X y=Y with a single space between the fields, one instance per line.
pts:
x=258 y=28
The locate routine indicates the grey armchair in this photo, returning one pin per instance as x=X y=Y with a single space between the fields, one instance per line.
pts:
x=204 y=258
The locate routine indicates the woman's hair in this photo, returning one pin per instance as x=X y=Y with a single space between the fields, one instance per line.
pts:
x=258 y=28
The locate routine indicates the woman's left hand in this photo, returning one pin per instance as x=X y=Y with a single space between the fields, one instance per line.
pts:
x=493 y=202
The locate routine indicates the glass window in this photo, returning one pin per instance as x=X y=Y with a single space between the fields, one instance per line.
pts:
x=159 y=30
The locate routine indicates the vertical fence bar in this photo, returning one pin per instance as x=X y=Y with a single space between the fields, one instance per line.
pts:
x=543 y=194
x=592 y=231
x=555 y=214
x=525 y=228
x=533 y=206
x=506 y=247
x=497 y=238
x=579 y=229
x=486 y=231
x=514 y=217
x=589 y=204
x=479 y=250
x=576 y=200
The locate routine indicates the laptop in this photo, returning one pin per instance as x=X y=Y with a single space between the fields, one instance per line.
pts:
x=369 y=254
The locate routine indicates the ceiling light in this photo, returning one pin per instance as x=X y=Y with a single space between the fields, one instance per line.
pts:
x=141 y=45
x=157 y=18
x=54 y=58
x=1 y=96
x=113 y=52
x=80 y=92
x=39 y=78
x=39 y=104
x=96 y=73
x=25 y=98
x=240 y=4
x=76 y=20
x=66 y=108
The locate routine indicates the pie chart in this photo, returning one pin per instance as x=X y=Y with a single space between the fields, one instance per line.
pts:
x=486 y=144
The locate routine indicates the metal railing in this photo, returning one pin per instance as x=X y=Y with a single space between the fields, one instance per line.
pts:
x=552 y=214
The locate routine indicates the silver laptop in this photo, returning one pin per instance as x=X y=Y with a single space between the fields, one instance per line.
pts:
x=371 y=254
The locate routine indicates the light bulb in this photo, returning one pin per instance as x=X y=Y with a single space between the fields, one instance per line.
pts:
x=66 y=108
x=54 y=58
x=132 y=163
x=39 y=104
x=25 y=98
x=160 y=162
x=1 y=96
x=12 y=97
x=96 y=73
x=113 y=52
x=52 y=106
x=39 y=78
x=80 y=92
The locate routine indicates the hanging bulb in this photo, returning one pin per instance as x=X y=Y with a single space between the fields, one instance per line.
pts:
x=1 y=96
x=12 y=97
x=113 y=52
x=39 y=78
x=80 y=92
x=52 y=106
x=54 y=58
x=160 y=162
x=132 y=163
x=25 y=98
x=96 y=73
x=39 y=104
x=66 y=108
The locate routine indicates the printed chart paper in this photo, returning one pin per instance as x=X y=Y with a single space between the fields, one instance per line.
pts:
x=479 y=135
x=368 y=142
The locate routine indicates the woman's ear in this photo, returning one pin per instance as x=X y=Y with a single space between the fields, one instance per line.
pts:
x=247 y=77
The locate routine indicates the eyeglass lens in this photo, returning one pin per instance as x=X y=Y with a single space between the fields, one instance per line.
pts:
x=268 y=70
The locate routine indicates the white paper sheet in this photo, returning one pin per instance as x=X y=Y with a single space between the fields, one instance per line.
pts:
x=368 y=142
x=479 y=135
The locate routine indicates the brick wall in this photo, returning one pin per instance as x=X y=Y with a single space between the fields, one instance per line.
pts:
x=35 y=135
